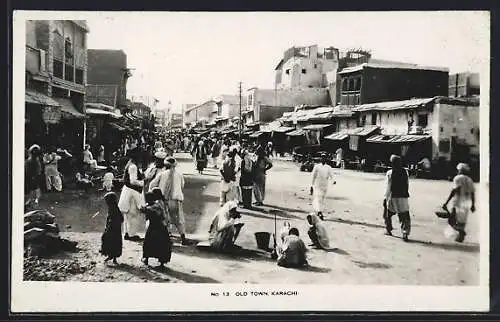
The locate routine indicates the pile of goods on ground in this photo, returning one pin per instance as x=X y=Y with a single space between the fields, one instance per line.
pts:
x=41 y=235
x=40 y=269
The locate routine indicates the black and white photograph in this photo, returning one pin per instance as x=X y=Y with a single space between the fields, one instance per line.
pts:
x=222 y=161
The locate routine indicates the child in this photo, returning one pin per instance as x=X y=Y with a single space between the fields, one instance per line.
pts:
x=161 y=201
x=83 y=182
x=107 y=180
x=157 y=243
x=112 y=237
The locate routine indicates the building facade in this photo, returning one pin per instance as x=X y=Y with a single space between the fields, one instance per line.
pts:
x=306 y=67
x=107 y=77
x=56 y=74
x=222 y=107
x=370 y=83
x=451 y=126
x=463 y=85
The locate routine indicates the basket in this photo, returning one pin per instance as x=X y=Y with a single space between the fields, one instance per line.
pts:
x=262 y=238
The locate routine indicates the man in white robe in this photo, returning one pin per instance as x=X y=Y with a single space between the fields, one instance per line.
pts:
x=321 y=175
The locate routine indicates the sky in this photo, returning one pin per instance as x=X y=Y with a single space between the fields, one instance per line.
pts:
x=191 y=57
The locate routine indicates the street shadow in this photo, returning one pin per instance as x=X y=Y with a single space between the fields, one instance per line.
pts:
x=468 y=248
x=315 y=269
x=337 y=251
x=258 y=211
x=352 y=222
x=288 y=209
x=376 y=265
x=243 y=255
x=137 y=271
x=186 y=277
x=337 y=198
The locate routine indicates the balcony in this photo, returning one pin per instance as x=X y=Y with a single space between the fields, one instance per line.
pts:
x=350 y=98
x=36 y=61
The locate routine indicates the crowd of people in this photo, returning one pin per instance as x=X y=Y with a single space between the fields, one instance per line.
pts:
x=149 y=206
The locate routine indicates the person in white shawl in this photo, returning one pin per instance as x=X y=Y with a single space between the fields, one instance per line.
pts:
x=171 y=183
x=224 y=229
x=132 y=199
x=317 y=232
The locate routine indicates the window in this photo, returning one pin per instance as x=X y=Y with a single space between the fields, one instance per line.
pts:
x=423 y=120
x=58 y=68
x=68 y=73
x=303 y=71
x=374 y=118
x=287 y=72
x=363 y=120
x=472 y=131
x=358 y=84
x=315 y=66
x=250 y=100
x=79 y=76
x=344 y=84
x=441 y=128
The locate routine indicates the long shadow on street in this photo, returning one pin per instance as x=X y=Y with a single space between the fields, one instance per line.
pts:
x=352 y=222
x=186 y=277
x=243 y=255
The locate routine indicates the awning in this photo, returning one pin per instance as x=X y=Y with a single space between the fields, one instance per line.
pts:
x=316 y=126
x=68 y=109
x=94 y=111
x=99 y=106
x=283 y=129
x=298 y=132
x=364 y=131
x=395 y=105
x=116 y=127
x=405 y=138
x=256 y=134
x=338 y=136
x=33 y=97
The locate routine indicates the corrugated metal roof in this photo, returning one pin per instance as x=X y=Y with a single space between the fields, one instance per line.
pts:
x=405 y=138
x=391 y=66
x=100 y=106
x=364 y=131
x=68 y=108
x=316 y=126
x=394 y=105
x=39 y=98
x=95 y=111
x=283 y=129
x=337 y=136
x=298 y=132
x=256 y=134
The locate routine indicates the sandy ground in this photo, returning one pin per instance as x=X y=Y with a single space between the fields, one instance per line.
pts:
x=360 y=253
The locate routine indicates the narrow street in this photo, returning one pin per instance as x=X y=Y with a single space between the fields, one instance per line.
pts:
x=361 y=253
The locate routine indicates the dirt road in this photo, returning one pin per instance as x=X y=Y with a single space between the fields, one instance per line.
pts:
x=361 y=254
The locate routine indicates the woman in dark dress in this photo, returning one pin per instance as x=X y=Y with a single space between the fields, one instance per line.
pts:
x=157 y=243
x=112 y=237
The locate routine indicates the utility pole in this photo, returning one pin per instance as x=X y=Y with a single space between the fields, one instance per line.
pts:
x=240 y=123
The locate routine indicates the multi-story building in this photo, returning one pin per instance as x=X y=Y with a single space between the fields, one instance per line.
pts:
x=56 y=74
x=217 y=109
x=140 y=109
x=463 y=85
x=107 y=77
x=176 y=120
x=373 y=82
x=306 y=67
